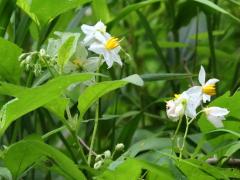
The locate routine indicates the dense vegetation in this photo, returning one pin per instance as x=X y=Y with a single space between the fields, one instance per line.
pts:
x=119 y=89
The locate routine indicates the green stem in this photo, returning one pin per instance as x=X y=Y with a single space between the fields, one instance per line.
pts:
x=97 y=113
x=74 y=134
x=184 y=137
x=47 y=135
x=186 y=131
x=94 y=133
x=178 y=127
x=48 y=67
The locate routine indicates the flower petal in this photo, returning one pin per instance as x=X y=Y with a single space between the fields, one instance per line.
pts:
x=217 y=111
x=116 y=58
x=212 y=81
x=86 y=29
x=206 y=98
x=216 y=121
x=108 y=59
x=195 y=90
x=100 y=26
x=202 y=76
x=97 y=48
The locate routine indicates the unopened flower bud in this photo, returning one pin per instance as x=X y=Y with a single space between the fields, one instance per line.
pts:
x=98 y=157
x=98 y=164
x=42 y=52
x=22 y=57
x=28 y=59
x=107 y=154
x=119 y=147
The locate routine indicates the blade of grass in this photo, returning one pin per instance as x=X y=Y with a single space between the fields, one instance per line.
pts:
x=212 y=60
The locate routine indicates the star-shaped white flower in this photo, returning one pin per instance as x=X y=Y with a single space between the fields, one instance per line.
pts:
x=207 y=89
x=91 y=32
x=108 y=47
x=216 y=115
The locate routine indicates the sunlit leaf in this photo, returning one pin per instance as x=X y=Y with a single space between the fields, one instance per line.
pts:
x=25 y=153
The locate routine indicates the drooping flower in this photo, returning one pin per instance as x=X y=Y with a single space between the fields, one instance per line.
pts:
x=108 y=47
x=207 y=89
x=91 y=32
x=216 y=115
x=183 y=104
x=175 y=110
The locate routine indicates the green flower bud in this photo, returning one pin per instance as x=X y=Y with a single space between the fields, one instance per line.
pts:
x=107 y=154
x=42 y=52
x=98 y=164
x=119 y=147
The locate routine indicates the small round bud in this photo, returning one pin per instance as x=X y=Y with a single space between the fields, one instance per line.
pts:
x=28 y=59
x=119 y=147
x=98 y=158
x=42 y=52
x=107 y=154
x=98 y=164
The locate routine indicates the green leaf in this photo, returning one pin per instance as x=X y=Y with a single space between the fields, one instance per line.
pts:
x=216 y=8
x=132 y=168
x=21 y=155
x=130 y=8
x=129 y=168
x=67 y=50
x=232 y=149
x=101 y=10
x=171 y=44
x=44 y=11
x=94 y=92
x=9 y=64
x=196 y=170
x=165 y=76
x=34 y=98
x=58 y=106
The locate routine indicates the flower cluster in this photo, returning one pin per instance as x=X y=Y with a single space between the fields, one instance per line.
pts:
x=36 y=61
x=101 y=42
x=187 y=103
x=107 y=155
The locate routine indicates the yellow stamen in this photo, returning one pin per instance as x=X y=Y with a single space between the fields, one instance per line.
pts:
x=176 y=96
x=112 y=43
x=77 y=62
x=209 y=89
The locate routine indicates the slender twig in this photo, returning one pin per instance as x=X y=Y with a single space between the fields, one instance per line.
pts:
x=86 y=146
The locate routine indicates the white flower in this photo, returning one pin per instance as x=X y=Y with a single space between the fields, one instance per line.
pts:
x=207 y=89
x=92 y=31
x=175 y=110
x=193 y=101
x=108 y=47
x=216 y=115
x=183 y=104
